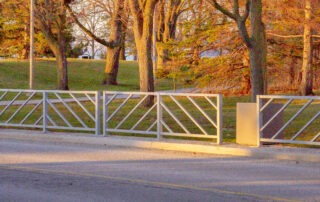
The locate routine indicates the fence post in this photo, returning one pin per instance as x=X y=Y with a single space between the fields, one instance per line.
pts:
x=219 y=119
x=44 y=111
x=159 y=116
x=97 y=113
x=259 y=119
x=104 y=114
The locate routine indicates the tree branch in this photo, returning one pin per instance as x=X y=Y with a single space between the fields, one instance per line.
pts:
x=110 y=44
x=223 y=10
x=236 y=8
x=247 y=11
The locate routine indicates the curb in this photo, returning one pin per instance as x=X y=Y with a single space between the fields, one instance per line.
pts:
x=273 y=152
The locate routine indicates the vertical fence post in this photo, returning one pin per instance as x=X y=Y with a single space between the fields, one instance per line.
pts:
x=219 y=119
x=104 y=115
x=44 y=111
x=97 y=112
x=259 y=120
x=159 y=116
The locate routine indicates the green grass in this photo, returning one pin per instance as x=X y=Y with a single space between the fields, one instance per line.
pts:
x=83 y=75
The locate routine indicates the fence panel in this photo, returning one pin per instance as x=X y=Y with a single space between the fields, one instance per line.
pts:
x=191 y=115
x=72 y=110
x=170 y=114
x=289 y=119
x=21 y=108
x=126 y=112
x=66 y=110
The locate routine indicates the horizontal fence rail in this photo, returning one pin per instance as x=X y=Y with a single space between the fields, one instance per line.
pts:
x=289 y=119
x=63 y=110
x=163 y=114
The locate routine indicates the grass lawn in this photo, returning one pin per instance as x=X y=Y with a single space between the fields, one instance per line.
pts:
x=83 y=75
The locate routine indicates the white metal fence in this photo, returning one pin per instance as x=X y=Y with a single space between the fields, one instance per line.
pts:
x=289 y=119
x=63 y=110
x=170 y=114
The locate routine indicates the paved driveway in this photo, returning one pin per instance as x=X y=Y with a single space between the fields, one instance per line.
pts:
x=64 y=172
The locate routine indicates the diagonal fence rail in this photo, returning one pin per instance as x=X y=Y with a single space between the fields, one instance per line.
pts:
x=170 y=114
x=289 y=119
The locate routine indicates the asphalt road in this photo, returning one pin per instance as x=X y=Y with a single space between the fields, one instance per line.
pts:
x=64 y=172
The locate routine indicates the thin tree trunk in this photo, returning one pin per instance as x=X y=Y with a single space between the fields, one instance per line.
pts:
x=167 y=23
x=26 y=48
x=307 y=73
x=92 y=49
x=123 y=46
x=62 y=69
x=292 y=72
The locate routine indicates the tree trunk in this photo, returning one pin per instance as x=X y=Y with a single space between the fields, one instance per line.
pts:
x=307 y=74
x=113 y=53
x=142 y=28
x=26 y=48
x=62 y=69
x=112 y=66
x=167 y=23
x=257 y=75
x=92 y=49
x=123 y=46
x=257 y=51
x=146 y=69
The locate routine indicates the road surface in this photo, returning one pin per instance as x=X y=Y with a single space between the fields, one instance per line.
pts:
x=64 y=172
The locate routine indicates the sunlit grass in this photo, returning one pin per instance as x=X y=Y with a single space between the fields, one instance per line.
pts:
x=83 y=75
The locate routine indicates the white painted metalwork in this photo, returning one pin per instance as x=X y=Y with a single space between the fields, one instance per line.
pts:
x=66 y=110
x=170 y=114
x=293 y=130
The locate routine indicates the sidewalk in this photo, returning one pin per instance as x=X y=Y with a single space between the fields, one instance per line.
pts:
x=273 y=152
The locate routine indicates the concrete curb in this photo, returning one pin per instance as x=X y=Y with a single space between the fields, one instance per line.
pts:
x=281 y=153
